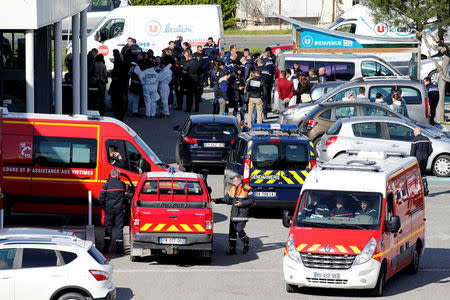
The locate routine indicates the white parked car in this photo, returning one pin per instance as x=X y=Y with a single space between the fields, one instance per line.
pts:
x=46 y=264
x=383 y=134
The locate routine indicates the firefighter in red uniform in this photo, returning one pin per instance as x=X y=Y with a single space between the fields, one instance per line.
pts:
x=112 y=198
x=240 y=196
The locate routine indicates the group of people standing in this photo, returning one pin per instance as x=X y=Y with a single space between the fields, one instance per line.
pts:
x=142 y=80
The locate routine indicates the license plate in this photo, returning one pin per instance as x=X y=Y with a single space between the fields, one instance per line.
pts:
x=327 y=275
x=172 y=241
x=214 y=145
x=266 y=194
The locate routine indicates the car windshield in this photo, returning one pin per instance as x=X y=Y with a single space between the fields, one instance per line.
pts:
x=213 y=130
x=339 y=209
x=338 y=21
x=280 y=156
x=155 y=159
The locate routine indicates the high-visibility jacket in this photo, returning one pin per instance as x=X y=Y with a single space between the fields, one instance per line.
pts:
x=244 y=194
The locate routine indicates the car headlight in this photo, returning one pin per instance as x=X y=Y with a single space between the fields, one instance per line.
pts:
x=367 y=252
x=291 y=250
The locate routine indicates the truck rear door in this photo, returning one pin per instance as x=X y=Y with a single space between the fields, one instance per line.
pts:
x=279 y=168
x=172 y=206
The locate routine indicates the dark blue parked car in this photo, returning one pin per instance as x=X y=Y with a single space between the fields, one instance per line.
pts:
x=205 y=140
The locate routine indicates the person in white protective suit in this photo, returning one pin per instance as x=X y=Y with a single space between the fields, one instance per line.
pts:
x=149 y=79
x=165 y=76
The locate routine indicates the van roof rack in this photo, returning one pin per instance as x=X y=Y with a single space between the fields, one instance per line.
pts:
x=375 y=155
x=353 y=165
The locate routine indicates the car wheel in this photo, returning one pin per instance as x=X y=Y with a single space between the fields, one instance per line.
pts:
x=434 y=76
x=441 y=166
x=290 y=288
x=317 y=143
x=72 y=296
x=414 y=265
x=378 y=290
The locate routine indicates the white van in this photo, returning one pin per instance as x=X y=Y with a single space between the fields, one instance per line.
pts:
x=154 y=26
x=360 y=219
x=359 y=20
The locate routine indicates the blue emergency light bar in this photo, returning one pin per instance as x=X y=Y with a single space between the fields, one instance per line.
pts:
x=284 y=127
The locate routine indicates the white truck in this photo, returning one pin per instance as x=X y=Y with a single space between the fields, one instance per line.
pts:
x=359 y=20
x=154 y=26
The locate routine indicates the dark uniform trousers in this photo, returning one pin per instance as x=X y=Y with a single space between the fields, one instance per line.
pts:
x=239 y=214
x=114 y=223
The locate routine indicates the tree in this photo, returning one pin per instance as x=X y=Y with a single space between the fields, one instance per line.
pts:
x=419 y=16
x=228 y=7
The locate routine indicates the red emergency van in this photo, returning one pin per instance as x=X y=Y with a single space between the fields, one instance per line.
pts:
x=359 y=220
x=171 y=211
x=51 y=162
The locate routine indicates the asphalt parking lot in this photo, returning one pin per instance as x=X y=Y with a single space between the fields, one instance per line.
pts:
x=258 y=274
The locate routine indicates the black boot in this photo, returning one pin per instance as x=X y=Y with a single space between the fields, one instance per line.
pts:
x=232 y=250
x=119 y=247
x=107 y=243
x=246 y=247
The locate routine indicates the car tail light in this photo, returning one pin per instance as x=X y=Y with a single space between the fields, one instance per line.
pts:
x=427 y=113
x=99 y=275
x=331 y=140
x=136 y=221
x=209 y=222
x=189 y=140
x=310 y=124
x=246 y=176
x=312 y=163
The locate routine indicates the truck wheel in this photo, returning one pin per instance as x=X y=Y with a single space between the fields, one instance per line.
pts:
x=414 y=265
x=290 y=288
x=207 y=256
x=378 y=290
x=441 y=166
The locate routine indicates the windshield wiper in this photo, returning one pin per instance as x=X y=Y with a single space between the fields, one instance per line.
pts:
x=354 y=226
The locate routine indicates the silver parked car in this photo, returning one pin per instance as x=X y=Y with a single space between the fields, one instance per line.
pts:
x=413 y=91
x=383 y=134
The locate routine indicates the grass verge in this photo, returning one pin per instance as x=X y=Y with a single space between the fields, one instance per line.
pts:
x=256 y=32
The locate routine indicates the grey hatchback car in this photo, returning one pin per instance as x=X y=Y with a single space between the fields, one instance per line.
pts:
x=413 y=92
x=383 y=134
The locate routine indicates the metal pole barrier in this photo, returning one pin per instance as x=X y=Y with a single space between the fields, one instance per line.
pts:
x=1 y=218
x=90 y=208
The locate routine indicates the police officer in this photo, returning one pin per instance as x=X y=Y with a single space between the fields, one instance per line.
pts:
x=111 y=200
x=256 y=91
x=241 y=197
x=433 y=95
x=421 y=149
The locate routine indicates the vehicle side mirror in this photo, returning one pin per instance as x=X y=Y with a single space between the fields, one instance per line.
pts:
x=176 y=128
x=287 y=219
x=394 y=224
x=97 y=36
x=209 y=190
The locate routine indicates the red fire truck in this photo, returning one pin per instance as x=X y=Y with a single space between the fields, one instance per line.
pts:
x=171 y=211
x=51 y=162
